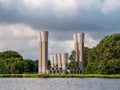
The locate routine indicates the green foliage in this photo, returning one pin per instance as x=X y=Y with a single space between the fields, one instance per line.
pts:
x=17 y=67
x=109 y=66
x=2 y=67
x=36 y=66
x=109 y=47
x=92 y=61
x=12 y=65
x=72 y=59
x=29 y=66
x=105 y=57
x=49 y=64
x=10 y=54
x=86 y=50
x=11 y=62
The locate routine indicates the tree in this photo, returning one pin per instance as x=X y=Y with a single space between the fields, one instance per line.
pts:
x=17 y=67
x=86 y=53
x=11 y=62
x=72 y=59
x=109 y=66
x=10 y=54
x=29 y=66
x=104 y=58
x=2 y=67
x=36 y=65
x=109 y=47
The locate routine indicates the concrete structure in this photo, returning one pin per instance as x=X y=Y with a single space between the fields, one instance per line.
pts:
x=76 y=52
x=43 y=52
x=64 y=59
x=52 y=61
x=59 y=61
x=79 y=50
x=55 y=60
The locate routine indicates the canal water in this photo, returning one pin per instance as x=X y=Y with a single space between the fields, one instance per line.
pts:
x=59 y=84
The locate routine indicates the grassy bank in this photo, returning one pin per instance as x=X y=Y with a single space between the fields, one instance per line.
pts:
x=59 y=76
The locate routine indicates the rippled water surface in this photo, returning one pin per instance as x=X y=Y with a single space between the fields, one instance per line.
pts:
x=59 y=84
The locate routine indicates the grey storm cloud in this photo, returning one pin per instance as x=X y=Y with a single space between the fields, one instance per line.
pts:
x=91 y=20
x=20 y=20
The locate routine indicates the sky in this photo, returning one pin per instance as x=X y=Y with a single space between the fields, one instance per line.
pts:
x=21 y=20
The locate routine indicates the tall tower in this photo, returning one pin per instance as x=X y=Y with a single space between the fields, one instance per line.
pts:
x=79 y=50
x=43 y=52
x=76 y=50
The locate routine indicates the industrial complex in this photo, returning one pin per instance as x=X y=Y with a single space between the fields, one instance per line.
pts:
x=59 y=61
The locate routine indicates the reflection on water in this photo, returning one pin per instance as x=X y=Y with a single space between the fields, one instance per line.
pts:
x=59 y=84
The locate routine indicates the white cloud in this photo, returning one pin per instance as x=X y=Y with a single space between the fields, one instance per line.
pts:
x=16 y=31
x=19 y=37
x=32 y=4
x=60 y=46
x=89 y=41
x=64 y=8
x=60 y=8
x=88 y=4
x=110 y=5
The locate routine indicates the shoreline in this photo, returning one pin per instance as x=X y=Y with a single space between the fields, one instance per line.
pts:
x=59 y=76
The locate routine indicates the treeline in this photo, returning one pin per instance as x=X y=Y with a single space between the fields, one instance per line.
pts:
x=105 y=57
x=11 y=62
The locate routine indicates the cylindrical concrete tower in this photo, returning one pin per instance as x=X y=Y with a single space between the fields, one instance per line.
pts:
x=52 y=61
x=59 y=61
x=43 y=52
x=76 y=53
x=64 y=57
x=55 y=60
x=80 y=37
x=40 y=53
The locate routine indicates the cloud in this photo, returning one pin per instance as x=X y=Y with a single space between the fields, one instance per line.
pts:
x=5 y=3
x=23 y=38
x=110 y=6
x=64 y=8
x=62 y=15
x=32 y=4
x=20 y=20
x=60 y=46
x=16 y=31
x=19 y=37
x=88 y=4
x=90 y=42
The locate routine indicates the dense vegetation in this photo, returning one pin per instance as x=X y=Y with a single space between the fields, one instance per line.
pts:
x=104 y=58
x=11 y=62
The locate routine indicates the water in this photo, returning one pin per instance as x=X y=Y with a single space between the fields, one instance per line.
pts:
x=59 y=84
